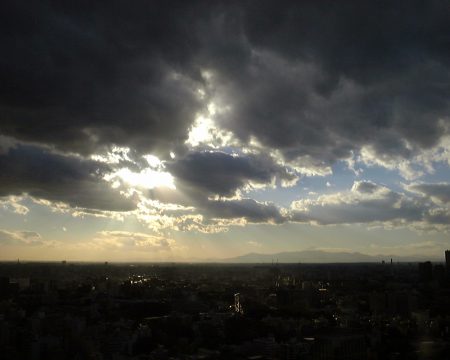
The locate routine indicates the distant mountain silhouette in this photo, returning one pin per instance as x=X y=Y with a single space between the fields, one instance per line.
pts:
x=320 y=256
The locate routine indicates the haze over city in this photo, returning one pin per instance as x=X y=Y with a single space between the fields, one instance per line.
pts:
x=207 y=130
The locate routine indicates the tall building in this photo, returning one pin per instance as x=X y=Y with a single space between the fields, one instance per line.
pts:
x=425 y=271
x=238 y=304
x=447 y=261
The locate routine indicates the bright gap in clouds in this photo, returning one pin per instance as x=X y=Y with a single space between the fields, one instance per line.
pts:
x=204 y=130
x=147 y=178
x=200 y=131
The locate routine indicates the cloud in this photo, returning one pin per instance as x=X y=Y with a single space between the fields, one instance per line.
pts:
x=219 y=173
x=67 y=179
x=207 y=215
x=315 y=80
x=437 y=219
x=13 y=203
x=250 y=210
x=439 y=192
x=125 y=240
x=209 y=184
x=367 y=187
x=116 y=76
x=254 y=243
x=365 y=203
x=282 y=91
x=29 y=238
x=378 y=80
x=320 y=87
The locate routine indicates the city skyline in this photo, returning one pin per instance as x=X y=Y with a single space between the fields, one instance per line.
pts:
x=185 y=131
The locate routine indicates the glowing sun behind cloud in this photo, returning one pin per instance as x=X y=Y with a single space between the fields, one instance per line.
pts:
x=147 y=178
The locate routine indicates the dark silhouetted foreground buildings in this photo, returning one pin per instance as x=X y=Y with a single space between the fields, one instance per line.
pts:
x=220 y=311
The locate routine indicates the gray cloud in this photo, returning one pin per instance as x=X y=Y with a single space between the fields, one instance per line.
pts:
x=82 y=75
x=68 y=179
x=212 y=210
x=222 y=174
x=249 y=209
x=276 y=102
x=311 y=78
x=440 y=192
x=360 y=206
x=199 y=176
x=325 y=78
x=20 y=237
x=367 y=187
x=438 y=217
x=317 y=80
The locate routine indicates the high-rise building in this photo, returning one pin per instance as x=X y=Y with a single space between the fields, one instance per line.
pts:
x=237 y=304
x=447 y=261
x=425 y=271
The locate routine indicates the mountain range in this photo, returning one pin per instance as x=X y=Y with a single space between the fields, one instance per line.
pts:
x=320 y=256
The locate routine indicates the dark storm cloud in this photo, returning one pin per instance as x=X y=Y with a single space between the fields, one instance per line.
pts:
x=43 y=175
x=361 y=39
x=312 y=78
x=222 y=174
x=81 y=75
x=327 y=77
x=317 y=80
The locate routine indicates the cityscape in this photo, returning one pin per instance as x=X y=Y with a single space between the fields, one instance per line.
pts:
x=124 y=311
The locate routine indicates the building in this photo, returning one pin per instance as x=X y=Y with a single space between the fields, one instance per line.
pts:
x=237 y=304
x=447 y=261
x=425 y=271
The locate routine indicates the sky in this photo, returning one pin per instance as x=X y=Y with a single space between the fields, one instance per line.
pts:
x=199 y=130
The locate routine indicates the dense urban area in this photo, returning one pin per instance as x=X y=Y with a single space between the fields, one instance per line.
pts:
x=105 y=311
